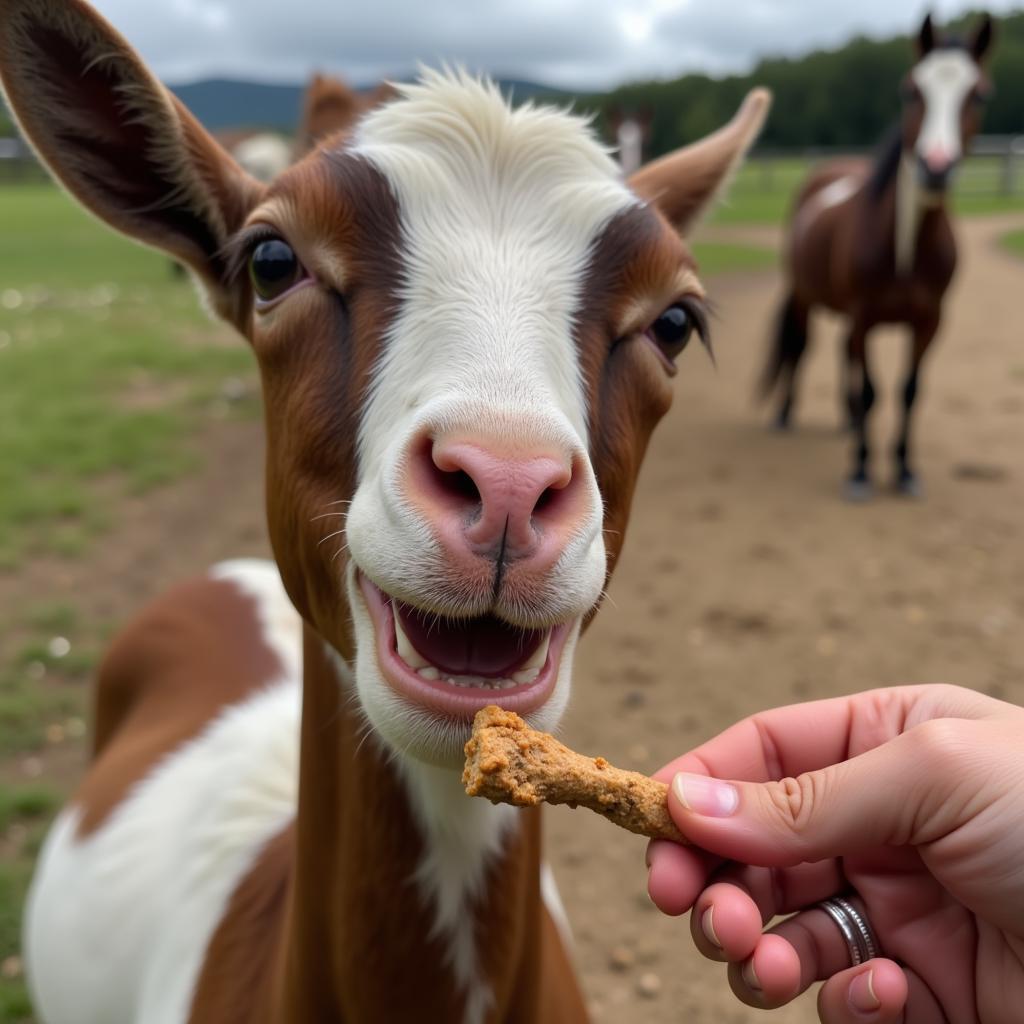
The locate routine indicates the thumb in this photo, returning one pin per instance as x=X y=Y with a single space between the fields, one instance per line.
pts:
x=882 y=797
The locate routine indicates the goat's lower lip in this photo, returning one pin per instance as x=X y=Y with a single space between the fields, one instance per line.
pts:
x=443 y=697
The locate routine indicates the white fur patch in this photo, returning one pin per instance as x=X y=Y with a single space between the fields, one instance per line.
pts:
x=499 y=210
x=117 y=924
x=461 y=836
x=944 y=78
x=834 y=193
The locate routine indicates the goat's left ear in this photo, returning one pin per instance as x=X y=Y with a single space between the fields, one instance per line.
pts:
x=684 y=185
x=981 y=41
x=120 y=143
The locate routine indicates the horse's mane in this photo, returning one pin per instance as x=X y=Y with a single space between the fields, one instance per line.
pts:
x=887 y=161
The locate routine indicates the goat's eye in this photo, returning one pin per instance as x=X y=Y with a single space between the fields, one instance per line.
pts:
x=672 y=330
x=274 y=268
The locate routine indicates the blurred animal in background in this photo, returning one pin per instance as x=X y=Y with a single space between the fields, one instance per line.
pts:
x=874 y=241
x=330 y=105
x=264 y=155
x=467 y=325
x=630 y=130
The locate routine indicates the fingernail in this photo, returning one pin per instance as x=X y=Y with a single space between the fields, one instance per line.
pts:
x=862 y=993
x=749 y=975
x=705 y=796
x=707 y=926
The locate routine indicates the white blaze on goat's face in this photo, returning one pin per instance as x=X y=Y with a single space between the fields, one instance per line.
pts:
x=944 y=79
x=499 y=210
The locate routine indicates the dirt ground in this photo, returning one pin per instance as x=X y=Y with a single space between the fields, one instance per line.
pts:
x=746 y=582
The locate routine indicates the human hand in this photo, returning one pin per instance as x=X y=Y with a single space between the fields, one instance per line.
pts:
x=910 y=798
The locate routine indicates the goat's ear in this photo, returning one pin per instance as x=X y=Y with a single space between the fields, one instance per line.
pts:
x=684 y=185
x=118 y=140
x=981 y=41
x=926 y=37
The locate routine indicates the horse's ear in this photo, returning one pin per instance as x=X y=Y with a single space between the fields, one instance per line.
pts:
x=117 y=139
x=684 y=185
x=926 y=37
x=981 y=41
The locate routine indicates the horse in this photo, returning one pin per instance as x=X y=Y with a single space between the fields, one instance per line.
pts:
x=873 y=241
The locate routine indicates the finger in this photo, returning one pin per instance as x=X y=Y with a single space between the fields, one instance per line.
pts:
x=872 y=993
x=676 y=875
x=725 y=923
x=778 y=891
x=831 y=812
x=770 y=977
x=805 y=737
x=819 y=945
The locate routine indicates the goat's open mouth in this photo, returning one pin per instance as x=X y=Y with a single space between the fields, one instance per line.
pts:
x=457 y=666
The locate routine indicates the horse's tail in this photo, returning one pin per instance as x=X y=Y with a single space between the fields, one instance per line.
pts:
x=787 y=346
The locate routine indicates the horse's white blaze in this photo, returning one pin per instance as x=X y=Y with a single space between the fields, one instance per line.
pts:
x=944 y=78
x=117 y=924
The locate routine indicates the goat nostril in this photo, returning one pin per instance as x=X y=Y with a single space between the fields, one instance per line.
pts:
x=460 y=484
x=548 y=497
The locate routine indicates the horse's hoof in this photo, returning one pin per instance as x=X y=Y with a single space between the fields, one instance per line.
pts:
x=858 y=489
x=909 y=486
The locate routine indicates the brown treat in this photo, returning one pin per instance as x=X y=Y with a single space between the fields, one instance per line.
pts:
x=508 y=762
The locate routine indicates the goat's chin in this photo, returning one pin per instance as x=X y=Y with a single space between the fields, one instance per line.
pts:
x=410 y=729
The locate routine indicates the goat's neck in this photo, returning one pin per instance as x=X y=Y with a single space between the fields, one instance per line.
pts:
x=409 y=901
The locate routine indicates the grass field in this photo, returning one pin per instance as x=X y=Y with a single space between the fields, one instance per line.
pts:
x=763 y=190
x=1014 y=242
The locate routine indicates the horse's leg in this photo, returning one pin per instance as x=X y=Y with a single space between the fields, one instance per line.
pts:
x=861 y=397
x=906 y=479
x=791 y=344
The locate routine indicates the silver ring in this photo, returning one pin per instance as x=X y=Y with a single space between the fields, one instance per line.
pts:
x=860 y=939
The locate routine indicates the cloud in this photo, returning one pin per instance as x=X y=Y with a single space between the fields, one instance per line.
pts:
x=574 y=43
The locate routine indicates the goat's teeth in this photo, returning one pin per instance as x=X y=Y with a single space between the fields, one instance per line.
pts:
x=527 y=675
x=405 y=649
x=429 y=672
x=537 y=659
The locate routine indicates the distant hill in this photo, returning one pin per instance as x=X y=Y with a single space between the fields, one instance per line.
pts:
x=224 y=103
x=221 y=103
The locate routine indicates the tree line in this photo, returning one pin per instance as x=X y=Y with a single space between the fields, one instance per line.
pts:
x=846 y=97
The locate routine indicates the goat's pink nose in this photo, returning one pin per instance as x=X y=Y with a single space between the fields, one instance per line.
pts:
x=491 y=500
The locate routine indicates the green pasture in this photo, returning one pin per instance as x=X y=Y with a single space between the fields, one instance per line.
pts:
x=106 y=364
x=1014 y=242
x=763 y=190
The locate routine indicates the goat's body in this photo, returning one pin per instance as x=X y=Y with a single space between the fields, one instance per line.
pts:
x=120 y=914
x=181 y=813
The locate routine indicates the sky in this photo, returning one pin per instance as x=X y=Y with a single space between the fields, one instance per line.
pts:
x=581 y=44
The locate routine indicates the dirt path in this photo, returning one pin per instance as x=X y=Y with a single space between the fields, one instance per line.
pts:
x=746 y=583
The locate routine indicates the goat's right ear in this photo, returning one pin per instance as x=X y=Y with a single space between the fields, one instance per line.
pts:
x=118 y=140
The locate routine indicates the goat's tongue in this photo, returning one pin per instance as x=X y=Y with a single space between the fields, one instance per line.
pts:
x=484 y=646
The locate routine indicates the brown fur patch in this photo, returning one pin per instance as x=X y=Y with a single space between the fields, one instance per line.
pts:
x=197 y=649
x=316 y=353
x=628 y=390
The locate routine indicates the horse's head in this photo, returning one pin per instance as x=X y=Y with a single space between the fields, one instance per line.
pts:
x=944 y=93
